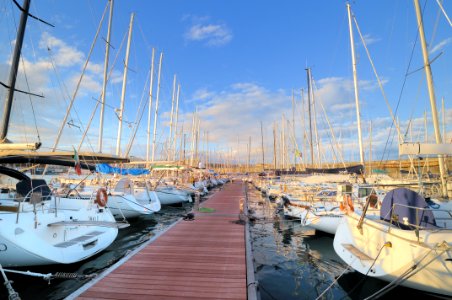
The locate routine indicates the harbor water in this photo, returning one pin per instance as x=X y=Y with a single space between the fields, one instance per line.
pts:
x=291 y=261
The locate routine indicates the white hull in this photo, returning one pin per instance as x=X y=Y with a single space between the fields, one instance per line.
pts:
x=170 y=195
x=432 y=253
x=54 y=238
x=133 y=206
x=322 y=220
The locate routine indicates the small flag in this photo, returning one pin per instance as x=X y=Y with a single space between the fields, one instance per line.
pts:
x=77 y=166
x=298 y=153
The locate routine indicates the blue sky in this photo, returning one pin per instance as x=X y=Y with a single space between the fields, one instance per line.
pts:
x=237 y=62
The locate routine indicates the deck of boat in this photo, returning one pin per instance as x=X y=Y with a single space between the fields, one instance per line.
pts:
x=199 y=259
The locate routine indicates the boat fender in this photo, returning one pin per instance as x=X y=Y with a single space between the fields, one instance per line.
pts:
x=101 y=197
x=347 y=204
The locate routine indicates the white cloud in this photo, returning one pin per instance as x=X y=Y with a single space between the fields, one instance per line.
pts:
x=201 y=94
x=440 y=45
x=369 y=39
x=211 y=34
x=63 y=54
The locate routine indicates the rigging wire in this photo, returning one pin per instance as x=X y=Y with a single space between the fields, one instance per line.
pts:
x=401 y=92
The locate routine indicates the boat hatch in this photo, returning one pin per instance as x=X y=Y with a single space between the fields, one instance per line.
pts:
x=356 y=252
x=80 y=239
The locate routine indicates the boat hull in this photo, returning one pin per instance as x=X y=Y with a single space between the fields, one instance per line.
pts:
x=388 y=255
x=53 y=238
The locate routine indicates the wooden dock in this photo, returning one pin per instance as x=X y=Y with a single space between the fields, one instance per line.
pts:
x=200 y=259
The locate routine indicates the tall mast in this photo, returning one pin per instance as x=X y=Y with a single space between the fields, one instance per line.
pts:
x=104 y=85
x=249 y=154
x=431 y=93
x=263 y=154
x=355 y=83
x=124 y=85
x=370 y=148
x=283 y=146
x=156 y=107
x=170 y=140
x=177 y=119
x=151 y=85
x=293 y=129
x=14 y=69
x=274 y=146
x=192 y=147
x=308 y=70
x=304 y=126
x=443 y=111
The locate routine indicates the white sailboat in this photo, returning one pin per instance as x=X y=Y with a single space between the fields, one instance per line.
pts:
x=409 y=243
x=38 y=227
x=126 y=198
x=414 y=251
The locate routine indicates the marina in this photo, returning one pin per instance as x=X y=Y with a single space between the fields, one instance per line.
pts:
x=167 y=150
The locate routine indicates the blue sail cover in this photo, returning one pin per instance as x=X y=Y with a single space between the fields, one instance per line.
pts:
x=107 y=169
x=398 y=199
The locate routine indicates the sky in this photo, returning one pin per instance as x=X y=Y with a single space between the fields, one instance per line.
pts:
x=239 y=64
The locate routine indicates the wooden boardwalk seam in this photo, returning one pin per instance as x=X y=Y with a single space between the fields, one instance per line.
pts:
x=199 y=259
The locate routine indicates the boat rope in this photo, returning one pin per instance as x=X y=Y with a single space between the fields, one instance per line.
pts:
x=412 y=270
x=50 y=276
x=12 y=294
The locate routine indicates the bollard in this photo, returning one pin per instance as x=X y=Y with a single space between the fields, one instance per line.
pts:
x=197 y=197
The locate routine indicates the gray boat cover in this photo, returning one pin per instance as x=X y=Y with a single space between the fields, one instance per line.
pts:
x=402 y=203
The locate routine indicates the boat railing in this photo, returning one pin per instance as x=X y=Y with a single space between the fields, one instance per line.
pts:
x=37 y=194
x=424 y=218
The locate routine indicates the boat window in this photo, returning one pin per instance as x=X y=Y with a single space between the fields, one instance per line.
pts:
x=364 y=192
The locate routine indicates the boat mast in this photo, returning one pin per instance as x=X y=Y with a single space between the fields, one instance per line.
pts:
x=293 y=130
x=151 y=85
x=308 y=70
x=443 y=111
x=14 y=69
x=173 y=96
x=124 y=85
x=263 y=153
x=12 y=82
x=192 y=147
x=104 y=85
x=355 y=83
x=156 y=106
x=249 y=154
x=176 y=122
x=431 y=93
x=274 y=146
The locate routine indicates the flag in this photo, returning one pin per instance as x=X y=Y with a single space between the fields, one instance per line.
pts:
x=298 y=153
x=77 y=166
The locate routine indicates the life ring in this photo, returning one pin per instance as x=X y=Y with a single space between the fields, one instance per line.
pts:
x=347 y=204
x=101 y=197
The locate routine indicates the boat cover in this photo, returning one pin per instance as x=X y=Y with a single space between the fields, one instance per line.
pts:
x=107 y=169
x=404 y=202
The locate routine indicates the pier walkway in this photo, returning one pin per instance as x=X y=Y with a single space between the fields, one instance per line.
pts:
x=199 y=259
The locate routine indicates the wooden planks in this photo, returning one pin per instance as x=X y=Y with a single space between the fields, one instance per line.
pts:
x=199 y=259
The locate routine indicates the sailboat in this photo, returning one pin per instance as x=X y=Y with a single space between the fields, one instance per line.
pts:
x=409 y=243
x=37 y=226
